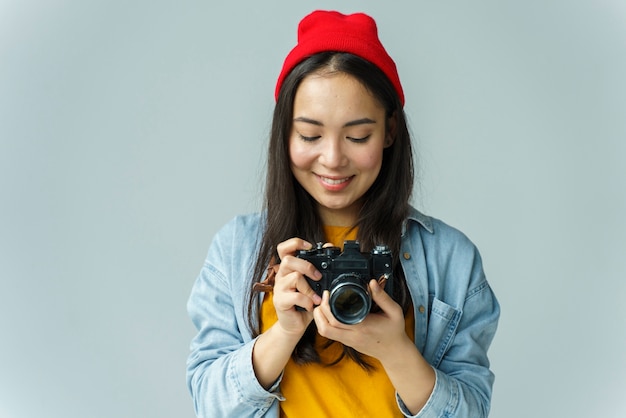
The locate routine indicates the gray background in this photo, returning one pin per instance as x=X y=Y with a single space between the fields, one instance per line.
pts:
x=131 y=131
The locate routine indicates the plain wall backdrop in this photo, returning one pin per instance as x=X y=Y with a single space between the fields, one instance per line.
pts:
x=130 y=131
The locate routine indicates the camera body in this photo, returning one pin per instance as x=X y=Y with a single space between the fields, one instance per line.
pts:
x=346 y=276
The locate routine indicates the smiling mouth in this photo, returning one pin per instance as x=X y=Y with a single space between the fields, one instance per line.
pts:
x=334 y=182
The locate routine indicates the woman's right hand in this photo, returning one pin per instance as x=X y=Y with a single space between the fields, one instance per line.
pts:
x=291 y=288
x=273 y=348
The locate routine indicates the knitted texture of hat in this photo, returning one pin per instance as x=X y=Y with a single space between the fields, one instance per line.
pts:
x=323 y=31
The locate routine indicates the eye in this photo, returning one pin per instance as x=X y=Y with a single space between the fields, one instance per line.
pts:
x=308 y=138
x=359 y=140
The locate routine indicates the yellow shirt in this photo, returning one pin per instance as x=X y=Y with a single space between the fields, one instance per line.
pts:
x=342 y=390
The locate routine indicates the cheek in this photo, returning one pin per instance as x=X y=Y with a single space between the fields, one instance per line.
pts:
x=371 y=161
x=299 y=158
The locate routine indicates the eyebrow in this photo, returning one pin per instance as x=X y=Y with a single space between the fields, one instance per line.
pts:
x=362 y=121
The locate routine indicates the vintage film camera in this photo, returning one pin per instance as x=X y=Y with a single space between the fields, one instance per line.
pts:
x=347 y=274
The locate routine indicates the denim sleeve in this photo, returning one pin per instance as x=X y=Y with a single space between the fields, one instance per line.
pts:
x=220 y=374
x=462 y=324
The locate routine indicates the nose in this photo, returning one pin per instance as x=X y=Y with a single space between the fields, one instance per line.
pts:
x=333 y=153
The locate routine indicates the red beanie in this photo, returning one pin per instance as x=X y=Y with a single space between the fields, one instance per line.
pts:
x=357 y=34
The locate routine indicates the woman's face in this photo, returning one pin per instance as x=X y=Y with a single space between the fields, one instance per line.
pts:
x=336 y=143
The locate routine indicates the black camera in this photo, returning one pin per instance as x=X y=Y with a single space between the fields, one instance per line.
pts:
x=347 y=274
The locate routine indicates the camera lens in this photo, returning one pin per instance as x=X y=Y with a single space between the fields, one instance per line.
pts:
x=350 y=301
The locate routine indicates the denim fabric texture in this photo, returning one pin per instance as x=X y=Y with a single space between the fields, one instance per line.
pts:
x=456 y=316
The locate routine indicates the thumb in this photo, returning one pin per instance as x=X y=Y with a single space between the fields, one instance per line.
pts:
x=380 y=297
x=385 y=302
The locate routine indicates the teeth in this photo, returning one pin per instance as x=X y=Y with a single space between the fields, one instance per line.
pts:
x=333 y=181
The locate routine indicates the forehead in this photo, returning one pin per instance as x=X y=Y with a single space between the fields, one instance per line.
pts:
x=327 y=91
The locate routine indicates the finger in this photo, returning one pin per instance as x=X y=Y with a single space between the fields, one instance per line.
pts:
x=381 y=298
x=291 y=301
x=322 y=314
x=327 y=312
x=303 y=287
x=294 y=287
x=291 y=263
x=328 y=326
x=292 y=245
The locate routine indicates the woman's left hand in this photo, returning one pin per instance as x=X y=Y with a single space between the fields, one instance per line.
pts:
x=376 y=335
x=382 y=335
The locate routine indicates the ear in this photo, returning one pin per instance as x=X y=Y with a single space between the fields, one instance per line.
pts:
x=390 y=135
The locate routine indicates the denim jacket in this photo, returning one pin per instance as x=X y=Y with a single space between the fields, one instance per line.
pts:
x=456 y=316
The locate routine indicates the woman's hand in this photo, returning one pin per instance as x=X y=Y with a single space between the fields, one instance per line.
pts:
x=273 y=348
x=376 y=336
x=291 y=288
x=382 y=335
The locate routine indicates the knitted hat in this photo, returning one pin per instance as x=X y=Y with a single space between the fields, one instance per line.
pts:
x=356 y=33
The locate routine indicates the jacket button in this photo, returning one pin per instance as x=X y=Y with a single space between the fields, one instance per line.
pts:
x=407 y=256
x=421 y=309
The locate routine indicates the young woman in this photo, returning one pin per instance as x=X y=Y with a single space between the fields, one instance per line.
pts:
x=340 y=168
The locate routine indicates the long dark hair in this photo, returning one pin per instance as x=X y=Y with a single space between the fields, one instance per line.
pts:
x=291 y=212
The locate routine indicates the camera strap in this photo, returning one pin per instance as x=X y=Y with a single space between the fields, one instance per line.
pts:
x=267 y=285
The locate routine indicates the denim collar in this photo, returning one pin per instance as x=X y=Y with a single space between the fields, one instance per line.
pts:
x=417 y=216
